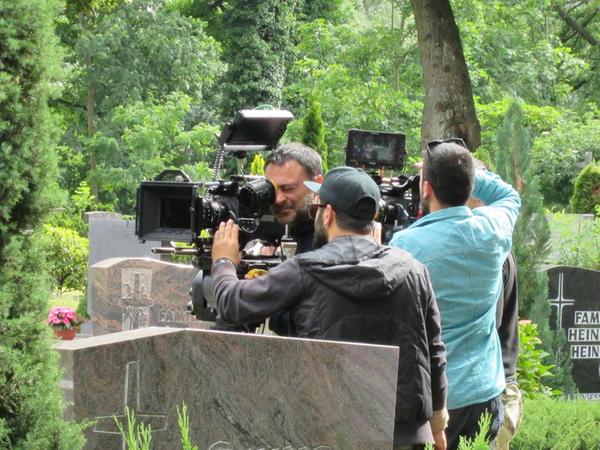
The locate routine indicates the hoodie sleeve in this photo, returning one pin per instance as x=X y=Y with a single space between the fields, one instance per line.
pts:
x=247 y=301
x=437 y=349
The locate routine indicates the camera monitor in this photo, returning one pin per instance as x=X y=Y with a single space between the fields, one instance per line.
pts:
x=375 y=149
x=255 y=129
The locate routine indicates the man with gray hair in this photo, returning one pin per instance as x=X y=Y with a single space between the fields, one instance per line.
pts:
x=288 y=167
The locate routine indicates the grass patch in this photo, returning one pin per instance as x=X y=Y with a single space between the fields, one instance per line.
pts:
x=69 y=299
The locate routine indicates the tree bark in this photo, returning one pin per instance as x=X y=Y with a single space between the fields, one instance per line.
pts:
x=449 y=109
x=90 y=111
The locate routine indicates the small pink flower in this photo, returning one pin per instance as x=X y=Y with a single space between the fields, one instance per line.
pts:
x=62 y=317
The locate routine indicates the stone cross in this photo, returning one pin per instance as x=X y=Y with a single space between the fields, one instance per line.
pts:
x=560 y=302
x=131 y=401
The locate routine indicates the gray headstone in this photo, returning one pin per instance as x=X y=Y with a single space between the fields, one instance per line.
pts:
x=243 y=391
x=575 y=298
x=131 y=293
x=111 y=236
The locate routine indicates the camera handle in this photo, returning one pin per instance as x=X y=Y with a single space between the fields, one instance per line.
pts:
x=174 y=173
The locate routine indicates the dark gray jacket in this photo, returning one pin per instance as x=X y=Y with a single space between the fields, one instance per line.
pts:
x=353 y=289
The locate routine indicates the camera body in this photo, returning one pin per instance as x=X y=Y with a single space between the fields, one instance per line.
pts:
x=173 y=208
x=181 y=210
x=374 y=152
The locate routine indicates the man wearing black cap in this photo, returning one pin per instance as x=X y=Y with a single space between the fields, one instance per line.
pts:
x=350 y=289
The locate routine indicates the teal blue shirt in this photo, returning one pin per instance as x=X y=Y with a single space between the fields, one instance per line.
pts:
x=464 y=251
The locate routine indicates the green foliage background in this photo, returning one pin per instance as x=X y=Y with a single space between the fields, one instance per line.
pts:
x=138 y=86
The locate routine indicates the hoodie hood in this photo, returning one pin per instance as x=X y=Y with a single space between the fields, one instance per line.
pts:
x=358 y=268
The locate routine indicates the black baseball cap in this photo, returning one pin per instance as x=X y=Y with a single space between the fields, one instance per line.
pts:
x=350 y=191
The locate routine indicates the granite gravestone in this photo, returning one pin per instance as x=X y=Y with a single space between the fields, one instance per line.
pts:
x=111 y=236
x=242 y=391
x=575 y=298
x=131 y=293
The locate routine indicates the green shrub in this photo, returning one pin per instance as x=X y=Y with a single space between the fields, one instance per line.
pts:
x=558 y=424
x=479 y=442
x=82 y=311
x=31 y=413
x=257 y=167
x=532 y=373
x=67 y=254
x=557 y=152
x=313 y=130
x=586 y=191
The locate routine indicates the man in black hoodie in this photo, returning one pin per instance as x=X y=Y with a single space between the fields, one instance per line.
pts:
x=351 y=289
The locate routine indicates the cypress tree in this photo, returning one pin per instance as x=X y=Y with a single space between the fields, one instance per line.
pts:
x=257 y=167
x=531 y=237
x=30 y=399
x=258 y=46
x=313 y=131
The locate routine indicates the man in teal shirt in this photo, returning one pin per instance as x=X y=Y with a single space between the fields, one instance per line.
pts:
x=464 y=251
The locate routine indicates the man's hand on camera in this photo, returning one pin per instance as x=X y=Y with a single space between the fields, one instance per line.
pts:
x=226 y=242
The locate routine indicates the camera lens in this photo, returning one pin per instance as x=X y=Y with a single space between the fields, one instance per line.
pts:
x=256 y=197
x=212 y=214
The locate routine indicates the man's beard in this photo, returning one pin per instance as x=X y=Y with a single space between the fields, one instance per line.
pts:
x=320 y=238
x=300 y=212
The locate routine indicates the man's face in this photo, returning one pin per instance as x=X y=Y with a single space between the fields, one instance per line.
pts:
x=292 y=196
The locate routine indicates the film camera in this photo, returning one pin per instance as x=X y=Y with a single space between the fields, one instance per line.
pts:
x=374 y=152
x=172 y=208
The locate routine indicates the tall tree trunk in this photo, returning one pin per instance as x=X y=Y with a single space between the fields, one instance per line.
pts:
x=449 y=109
x=90 y=123
x=89 y=109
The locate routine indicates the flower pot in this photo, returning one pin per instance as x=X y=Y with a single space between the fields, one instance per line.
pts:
x=66 y=334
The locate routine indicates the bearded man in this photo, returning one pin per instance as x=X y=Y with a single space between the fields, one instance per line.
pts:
x=350 y=289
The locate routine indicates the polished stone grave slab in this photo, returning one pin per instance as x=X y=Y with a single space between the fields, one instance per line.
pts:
x=130 y=293
x=243 y=391
x=574 y=294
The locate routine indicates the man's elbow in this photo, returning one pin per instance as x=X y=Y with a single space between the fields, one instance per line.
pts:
x=225 y=304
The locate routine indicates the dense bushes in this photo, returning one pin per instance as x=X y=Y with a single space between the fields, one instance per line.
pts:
x=586 y=191
x=532 y=373
x=67 y=254
x=558 y=424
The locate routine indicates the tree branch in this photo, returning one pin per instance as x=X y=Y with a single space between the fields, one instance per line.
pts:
x=584 y=23
x=576 y=26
